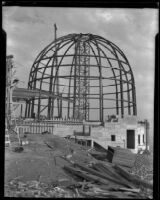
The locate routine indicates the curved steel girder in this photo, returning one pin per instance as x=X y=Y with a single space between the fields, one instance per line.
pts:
x=100 y=83
x=133 y=82
x=125 y=91
x=122 y=111
x=128 y=93
x=68 y=113
x=129 y=71
x=111 y=67
x=92 y=38
x=44 y=72
x=71 y=55
x=41 y=56
x=66 y=65
x=91 y=77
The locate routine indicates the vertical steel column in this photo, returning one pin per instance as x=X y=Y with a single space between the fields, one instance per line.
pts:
x=117 y=103
x=129 y=99
x=26 y=108
x=50 y=91
x=55 y=60
x=57 y=78
x=100 y=93
x=86 y=81
x=8 y=88
x=121 y=92
x=61 y=105
x=69 y=88
x=134 y=97
x=82 y=83
x=75 y=83
x=32 y=101
x=100 y=85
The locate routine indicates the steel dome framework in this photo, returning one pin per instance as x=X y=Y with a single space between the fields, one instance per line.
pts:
x=90 y=71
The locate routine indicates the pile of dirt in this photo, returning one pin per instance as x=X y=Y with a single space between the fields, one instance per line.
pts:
x=143 y=167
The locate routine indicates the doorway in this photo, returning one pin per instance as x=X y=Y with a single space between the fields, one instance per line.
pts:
x=131 y=139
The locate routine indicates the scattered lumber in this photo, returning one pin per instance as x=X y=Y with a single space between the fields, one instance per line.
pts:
x=98 y=195
x=135 y=190
x=133 y=178
x=107 y=170
x=86 y=175
x=121 y=156
x=107 y=194
x=101 y=174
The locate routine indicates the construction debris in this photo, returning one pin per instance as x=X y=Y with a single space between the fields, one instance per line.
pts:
x=72 y=173
x=121 y=156
x=133 y=178
x=18 y=149
x=17 y=188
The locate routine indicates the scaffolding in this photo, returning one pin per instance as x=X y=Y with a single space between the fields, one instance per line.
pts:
x=81 y=92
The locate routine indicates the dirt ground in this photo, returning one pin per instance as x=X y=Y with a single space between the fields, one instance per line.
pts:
x=39 y=162
x=42 y=162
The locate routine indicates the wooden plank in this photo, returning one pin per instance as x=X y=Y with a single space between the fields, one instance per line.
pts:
x=135 y=190
x=123 y=162
x=128 y=156
x=121 y=156
x=99 y=174
x=132 y=178
x=86 y=176
x=109 y=155
x=107 y=194
x=109 y=170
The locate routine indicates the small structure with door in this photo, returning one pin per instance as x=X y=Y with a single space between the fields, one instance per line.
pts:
x=125 y=132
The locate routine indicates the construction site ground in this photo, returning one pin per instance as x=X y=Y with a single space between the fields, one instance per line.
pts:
x=42 y=162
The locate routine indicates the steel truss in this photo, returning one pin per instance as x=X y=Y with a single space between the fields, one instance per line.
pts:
x=85 y=52
x=81 y=92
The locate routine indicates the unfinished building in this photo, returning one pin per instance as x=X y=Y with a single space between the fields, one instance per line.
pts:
x=95 y=88
x=87 y=69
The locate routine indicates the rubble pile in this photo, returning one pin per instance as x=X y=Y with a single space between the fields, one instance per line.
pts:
x=17 y=188
x=143 y=167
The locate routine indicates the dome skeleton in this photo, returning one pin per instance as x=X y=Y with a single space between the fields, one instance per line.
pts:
x=78 y=56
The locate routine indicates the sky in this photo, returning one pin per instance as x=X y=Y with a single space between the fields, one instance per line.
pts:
x=30 y=29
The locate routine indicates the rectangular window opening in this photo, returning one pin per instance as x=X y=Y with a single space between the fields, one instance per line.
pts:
x=113 y=138
x=138 y=139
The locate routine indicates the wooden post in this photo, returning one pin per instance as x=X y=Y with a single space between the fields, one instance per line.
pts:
x=39 y=127
x=92 y=143
x=147 y=134
x=89 y=129
x=21 y=110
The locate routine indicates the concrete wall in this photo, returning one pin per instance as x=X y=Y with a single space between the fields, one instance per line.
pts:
x=64 y=130
x=140 y=131
x=103 y=134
